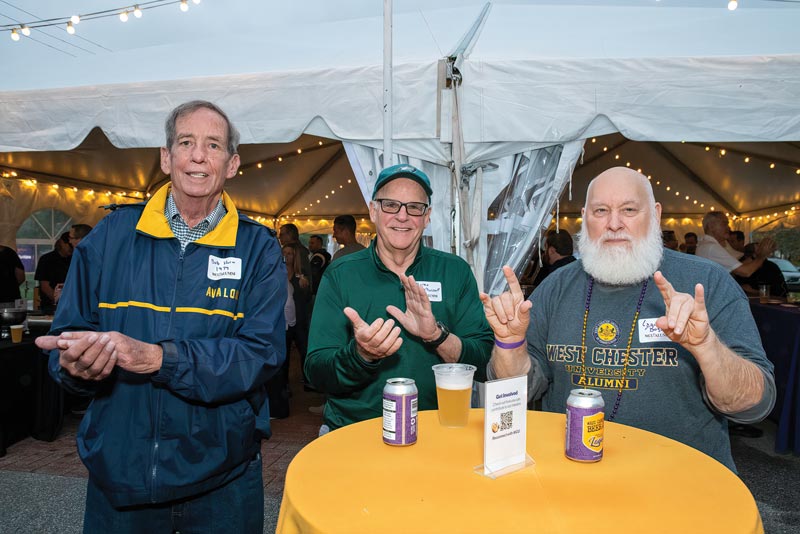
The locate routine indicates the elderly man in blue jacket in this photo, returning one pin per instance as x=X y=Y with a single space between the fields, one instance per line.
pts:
x=172 y=320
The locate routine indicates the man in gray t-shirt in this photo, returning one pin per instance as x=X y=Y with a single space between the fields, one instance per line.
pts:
x=665 y=359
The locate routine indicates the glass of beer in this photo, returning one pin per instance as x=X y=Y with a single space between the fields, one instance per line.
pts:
x=453 y=391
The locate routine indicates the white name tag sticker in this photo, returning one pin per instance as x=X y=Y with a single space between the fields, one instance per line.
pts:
x=219 y=268
x=433 y=289
x=649 y=332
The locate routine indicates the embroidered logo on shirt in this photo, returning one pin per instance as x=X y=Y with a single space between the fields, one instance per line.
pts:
x=606 y=332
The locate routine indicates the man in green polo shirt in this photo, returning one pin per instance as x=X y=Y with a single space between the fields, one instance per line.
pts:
x=393 y=309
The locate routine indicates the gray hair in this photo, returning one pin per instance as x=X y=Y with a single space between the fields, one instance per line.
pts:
x=194 y=105
x=711 y=216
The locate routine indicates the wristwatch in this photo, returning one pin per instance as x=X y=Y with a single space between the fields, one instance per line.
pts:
x=434 y=343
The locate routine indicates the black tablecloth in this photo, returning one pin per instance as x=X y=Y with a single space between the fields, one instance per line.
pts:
x=31 y=403
x=779 y=327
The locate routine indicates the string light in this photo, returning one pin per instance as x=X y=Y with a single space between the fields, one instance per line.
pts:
x=732 y=5
x=14 y=35
x=121 y=12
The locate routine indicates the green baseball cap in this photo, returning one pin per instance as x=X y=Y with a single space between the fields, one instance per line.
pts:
x=403 y=171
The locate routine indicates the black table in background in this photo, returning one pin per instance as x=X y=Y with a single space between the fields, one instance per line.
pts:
x=31 y=403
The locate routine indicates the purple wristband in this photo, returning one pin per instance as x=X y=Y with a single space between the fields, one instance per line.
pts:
x=509 y=345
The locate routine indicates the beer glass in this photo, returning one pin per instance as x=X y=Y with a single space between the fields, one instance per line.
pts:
x=453 y=391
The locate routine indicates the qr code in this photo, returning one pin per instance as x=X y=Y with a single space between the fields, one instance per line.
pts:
x=506 y=420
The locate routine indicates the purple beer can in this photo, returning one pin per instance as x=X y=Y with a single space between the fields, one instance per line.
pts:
x=400 y=412
x=585 y=424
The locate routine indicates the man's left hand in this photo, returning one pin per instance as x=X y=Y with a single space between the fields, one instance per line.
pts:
x=130 y=354
x=685 y=320
x=418 y=319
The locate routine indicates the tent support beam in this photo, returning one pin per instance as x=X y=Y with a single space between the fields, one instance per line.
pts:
x=311 y=181
x=669 y=156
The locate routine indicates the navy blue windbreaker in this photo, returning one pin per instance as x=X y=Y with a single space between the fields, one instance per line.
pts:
x=218 y=312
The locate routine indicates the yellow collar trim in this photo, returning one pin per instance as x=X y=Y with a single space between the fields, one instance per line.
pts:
x=154 y=223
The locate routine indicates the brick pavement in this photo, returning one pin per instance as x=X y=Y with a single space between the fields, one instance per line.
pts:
x=289 y=435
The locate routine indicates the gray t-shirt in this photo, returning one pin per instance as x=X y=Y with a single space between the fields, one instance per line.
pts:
x=664 y=392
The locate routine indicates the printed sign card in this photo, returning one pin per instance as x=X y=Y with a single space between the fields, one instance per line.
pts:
x=505 y=427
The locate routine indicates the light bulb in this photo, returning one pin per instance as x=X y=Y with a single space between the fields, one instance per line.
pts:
x=26 y=31
x=137 y=12
x=732 y=5
x=184 y=6
x=70 y=28
x=14 y=35
x=196 y=1
x=75 y=19
x=123 y=16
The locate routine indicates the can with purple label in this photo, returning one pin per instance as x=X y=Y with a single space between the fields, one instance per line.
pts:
x=585 y=422
x=400 y=412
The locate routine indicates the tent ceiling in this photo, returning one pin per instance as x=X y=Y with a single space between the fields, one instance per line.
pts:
x=277 y=188
x=709 y=177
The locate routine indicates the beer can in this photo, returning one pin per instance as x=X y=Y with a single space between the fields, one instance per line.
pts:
x=400 y=412
x=585 y=422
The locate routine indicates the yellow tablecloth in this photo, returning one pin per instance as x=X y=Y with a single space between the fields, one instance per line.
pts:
x=349 y=481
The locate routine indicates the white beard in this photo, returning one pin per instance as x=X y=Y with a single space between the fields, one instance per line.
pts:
x=621 y=265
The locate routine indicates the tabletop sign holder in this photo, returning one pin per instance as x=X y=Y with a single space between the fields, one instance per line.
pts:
x=505 y=427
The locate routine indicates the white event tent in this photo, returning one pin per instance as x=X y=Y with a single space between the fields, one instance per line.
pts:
x=488 y=97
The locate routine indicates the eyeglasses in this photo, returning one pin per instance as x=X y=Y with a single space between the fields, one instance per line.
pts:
x=416 y=209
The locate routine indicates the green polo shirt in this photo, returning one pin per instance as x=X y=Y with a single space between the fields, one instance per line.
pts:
x=361 y=281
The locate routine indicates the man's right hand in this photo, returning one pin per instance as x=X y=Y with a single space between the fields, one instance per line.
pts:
x=85 y=355
x=509 y=313
x=377 y=340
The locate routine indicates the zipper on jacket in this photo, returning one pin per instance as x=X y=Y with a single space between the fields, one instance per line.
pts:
x=156 y=438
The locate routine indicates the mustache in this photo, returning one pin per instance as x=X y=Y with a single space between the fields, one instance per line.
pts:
x=615 y=236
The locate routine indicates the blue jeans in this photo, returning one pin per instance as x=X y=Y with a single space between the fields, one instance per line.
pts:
x=236 y=507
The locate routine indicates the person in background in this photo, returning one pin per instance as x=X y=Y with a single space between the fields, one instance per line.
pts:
x=51 y=271
x=558 y=248
x=689 y=245
x=769 y=273
x=289 y=234
x=172 y=319
x=344 y=232
x=301 y=293
x=12 y=274
x=319 y=260
x=714 y=246
x=669 y=239
x=667 y=339
x=393 y=309
x=736 y=241
x=77 y=233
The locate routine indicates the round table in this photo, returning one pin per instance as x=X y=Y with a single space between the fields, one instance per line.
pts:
x=350 y=481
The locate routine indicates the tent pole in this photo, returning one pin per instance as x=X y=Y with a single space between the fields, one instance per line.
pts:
x=387 y=83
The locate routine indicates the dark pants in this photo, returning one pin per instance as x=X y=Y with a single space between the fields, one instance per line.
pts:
x=237 y=507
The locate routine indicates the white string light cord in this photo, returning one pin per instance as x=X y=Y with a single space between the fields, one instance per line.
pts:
x=20 y=29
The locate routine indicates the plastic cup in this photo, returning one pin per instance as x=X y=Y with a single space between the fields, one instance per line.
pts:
x=16 y=333
x=763 y=293
x=454 y=392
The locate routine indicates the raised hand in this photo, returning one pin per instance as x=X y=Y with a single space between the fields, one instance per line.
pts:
x=377 y=340
x=418 y=319
x=509 y=313
x=685 y=320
